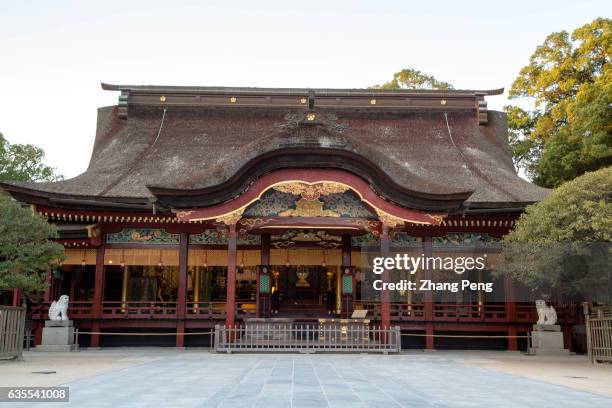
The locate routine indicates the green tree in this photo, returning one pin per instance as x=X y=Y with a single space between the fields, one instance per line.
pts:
x=564 y=241
x=413 y=79
x=26 y=247
x=23 y=162
x=569 y=81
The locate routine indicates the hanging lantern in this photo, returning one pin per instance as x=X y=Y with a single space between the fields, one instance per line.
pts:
x=324 y=263
x=205 y=258
x=287 y=263
x=83 y=261
x=242 y=261
x=160 y=264
x=122 y=259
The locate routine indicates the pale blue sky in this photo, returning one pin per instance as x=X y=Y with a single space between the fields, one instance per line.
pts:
x=55 y=53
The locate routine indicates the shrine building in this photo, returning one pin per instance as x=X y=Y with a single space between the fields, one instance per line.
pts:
x=204 y=206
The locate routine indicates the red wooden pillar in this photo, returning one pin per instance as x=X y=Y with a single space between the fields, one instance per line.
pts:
x=510 y=312
x=17 y=294
x=98 y=293
x=38 y=333
x=428 y=298
x=384 y=252
x=181 y=298
x=348 y=299
x=265 y=260
x=230 y=305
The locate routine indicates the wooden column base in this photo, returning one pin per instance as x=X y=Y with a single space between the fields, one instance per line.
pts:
x=180 y=329
x=512 y=341
x=95 y=338
x=429 y=340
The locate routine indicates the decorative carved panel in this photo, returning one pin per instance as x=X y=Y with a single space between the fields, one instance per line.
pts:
x=466 y=240
x=142 y=236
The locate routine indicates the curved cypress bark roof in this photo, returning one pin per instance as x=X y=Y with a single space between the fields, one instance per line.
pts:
x=186 y=155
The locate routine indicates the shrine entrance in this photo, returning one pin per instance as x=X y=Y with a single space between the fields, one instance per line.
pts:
x=305 y=291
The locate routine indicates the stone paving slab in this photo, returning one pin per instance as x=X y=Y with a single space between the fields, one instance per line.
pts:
x=201 y=379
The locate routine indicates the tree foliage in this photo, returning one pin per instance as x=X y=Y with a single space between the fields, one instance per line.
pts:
x=569 y=131
x=24 y=162
x=413 y=79
x=564 y=241
x=26 y=247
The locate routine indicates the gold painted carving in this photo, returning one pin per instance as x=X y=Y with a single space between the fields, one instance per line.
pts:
x=311 y=192
x=308 y=208
x=368 y=225
x=437 y=218
x=282 y=244
x=388 y=219
x=182 y=214
x=231 y=218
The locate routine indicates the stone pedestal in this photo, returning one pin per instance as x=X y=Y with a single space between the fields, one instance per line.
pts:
x=58 y=335
x=547 y=339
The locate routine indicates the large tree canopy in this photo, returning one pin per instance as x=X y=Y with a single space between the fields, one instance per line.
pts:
x=569 y=81
x=26 y=247
x=413 y=79
x=23 y=162
x=565 y=240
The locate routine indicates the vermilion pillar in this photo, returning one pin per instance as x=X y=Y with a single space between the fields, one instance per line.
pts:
x=348 y=300
x=428 y=297
x=384 y=252
x=265 y=260
x=230 y=306
x=98 y=293
x=510 y=312
x=181 y=298
x=17 y=294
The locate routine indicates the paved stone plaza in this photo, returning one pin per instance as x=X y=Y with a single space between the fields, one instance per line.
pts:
x=154 y=378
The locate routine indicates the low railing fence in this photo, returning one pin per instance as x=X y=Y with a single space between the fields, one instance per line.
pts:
x=599 y=334
x=12 y=324
x=307 y=338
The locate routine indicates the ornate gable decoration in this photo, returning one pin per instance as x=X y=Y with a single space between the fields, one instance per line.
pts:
x=297 y=199
x=311 y=192
x=318 y=237
x=328 y=121
x=142 y=236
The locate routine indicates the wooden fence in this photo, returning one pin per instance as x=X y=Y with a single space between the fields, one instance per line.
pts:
x=307 y=338
x=12 y=323
x=599 y=334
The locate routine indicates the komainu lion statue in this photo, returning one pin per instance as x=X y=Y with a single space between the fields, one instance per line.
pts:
x=546 y=314
x=59 y=310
